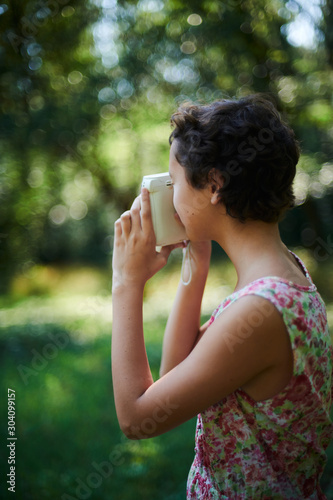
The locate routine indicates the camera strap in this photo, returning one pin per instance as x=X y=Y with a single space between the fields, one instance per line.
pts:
x=186 y=257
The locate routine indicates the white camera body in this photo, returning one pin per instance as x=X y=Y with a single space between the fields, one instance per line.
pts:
x=167 y=229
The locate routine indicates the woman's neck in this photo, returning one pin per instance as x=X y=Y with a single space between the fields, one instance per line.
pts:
x=255 y=249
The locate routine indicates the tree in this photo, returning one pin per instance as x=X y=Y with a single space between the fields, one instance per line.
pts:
x=48 y=106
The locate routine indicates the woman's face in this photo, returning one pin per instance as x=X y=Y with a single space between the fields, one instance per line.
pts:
x=192 y=205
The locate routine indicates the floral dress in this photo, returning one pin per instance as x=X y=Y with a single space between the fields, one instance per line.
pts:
x=272 y=449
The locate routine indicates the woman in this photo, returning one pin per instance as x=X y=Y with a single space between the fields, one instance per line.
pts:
x=259 y=373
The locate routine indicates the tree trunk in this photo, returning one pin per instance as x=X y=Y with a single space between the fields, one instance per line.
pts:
x=328 y=29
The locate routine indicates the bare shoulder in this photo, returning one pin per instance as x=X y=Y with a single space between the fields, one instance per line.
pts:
x=249 y=318
x=250 y=321
x=251 y=340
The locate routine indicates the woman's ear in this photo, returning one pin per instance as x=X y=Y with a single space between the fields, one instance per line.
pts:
x=216 y=183
x=215 y=197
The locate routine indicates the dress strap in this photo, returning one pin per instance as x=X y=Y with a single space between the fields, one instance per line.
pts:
x=302 y=266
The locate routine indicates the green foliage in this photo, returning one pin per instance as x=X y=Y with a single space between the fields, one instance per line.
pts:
x=48 y=105
x=87 y=89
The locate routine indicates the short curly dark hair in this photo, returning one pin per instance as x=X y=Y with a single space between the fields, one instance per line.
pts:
x=247 y=143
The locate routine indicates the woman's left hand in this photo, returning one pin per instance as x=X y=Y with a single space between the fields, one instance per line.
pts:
x=135 y=259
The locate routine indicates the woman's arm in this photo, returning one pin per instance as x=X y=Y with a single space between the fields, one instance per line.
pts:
x=131 y=373
x=183 y=326
x=135 y=260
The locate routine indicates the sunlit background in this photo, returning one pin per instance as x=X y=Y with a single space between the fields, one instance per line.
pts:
x=87 y=90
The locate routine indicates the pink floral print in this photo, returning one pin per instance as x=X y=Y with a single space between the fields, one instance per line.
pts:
x=272 y=449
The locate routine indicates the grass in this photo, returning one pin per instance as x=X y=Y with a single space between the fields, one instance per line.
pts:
x=55 y=354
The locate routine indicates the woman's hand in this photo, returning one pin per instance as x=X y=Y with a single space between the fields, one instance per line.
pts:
x=135 y=259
